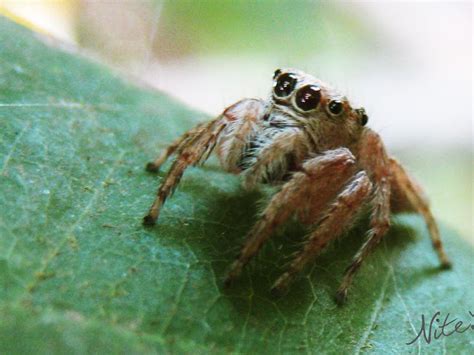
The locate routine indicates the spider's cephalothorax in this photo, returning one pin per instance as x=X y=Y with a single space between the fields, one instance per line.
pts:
x=302 y=117
x=308 y=139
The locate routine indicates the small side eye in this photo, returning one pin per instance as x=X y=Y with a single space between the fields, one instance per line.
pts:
x=364 y=120
x=362 y=116
x=308 y=97
x=284 y=85
x=276 y=73
x=335 y=107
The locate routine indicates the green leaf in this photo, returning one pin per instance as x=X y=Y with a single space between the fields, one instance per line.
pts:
x=79 y=273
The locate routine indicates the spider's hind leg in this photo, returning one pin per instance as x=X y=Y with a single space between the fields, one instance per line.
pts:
x=408 y=196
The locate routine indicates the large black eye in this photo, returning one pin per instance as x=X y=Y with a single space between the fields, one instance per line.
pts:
x=335 y=107
x=285 y=85
x=308 y=97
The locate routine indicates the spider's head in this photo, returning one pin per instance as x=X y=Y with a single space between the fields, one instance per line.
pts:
x=305 y=99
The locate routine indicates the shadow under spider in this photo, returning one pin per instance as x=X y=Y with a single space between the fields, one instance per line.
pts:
x=228 y=216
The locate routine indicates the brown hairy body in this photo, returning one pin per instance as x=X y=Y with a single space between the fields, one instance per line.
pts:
x=309 y=140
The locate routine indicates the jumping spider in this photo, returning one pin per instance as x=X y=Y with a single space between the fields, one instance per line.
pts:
x=309 y=140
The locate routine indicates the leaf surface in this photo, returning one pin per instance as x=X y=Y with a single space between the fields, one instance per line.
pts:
x=79 y=273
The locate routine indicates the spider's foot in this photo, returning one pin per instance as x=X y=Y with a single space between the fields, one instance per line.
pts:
x=149 y=220
x=341 y=296
x=278 y=291
x=446 y=264
x=280 y=286
x=152 y=167
x=228 y=281
x=234 y=273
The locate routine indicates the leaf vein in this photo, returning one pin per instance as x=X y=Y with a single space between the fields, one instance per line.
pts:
x=373 y=318
x=12 y=149
x=90 y=204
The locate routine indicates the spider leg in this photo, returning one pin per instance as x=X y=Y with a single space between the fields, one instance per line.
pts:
x=194 y=148
x=373 y=158
x=321 y=176
x=380 y=224
x=411 y=197
x=274 y=156
x=237 y=135
x=155 y=165
x=334 y=222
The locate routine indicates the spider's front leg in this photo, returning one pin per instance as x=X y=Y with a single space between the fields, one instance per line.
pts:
x=273 y=158
x=322 y=176
x=195 y=147
x=373 y=182
x=155 y=165
x=337 y=218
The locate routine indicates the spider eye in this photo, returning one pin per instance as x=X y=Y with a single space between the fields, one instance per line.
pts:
x=335 y=107
x=276 y=73
x=364 y=120
x=285 y=85
x=308 y=97
x=362 y=116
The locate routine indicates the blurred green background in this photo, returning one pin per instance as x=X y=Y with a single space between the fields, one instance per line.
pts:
x=408 y=63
